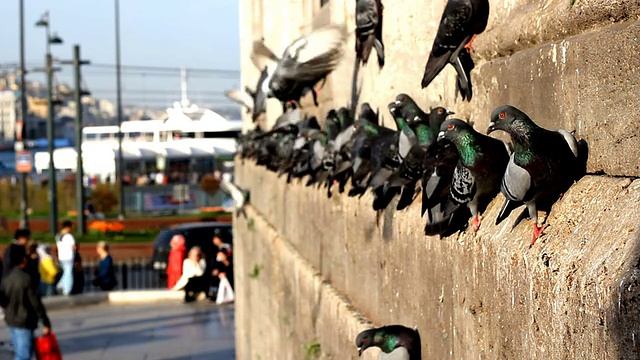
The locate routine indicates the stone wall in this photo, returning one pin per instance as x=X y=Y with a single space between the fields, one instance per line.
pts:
x=573 y=295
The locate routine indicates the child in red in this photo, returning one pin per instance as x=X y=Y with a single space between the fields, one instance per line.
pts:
x=176 y=257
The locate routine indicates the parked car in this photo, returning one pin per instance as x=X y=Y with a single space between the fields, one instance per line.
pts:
x=195 y=234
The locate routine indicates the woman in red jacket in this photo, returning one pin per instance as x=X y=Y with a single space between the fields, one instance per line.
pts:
x=176 y=257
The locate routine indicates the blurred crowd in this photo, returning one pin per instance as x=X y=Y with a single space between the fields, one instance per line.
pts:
x=199 y=276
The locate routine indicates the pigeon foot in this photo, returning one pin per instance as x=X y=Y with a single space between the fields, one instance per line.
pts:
x=476 y=223
x=537 y=232
x=468 y=45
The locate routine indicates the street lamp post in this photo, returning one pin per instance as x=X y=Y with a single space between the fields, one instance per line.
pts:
x=120 y=164
x=24 y=217
x=53 y=193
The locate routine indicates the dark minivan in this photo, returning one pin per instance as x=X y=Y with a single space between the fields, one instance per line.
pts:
x=195 y=234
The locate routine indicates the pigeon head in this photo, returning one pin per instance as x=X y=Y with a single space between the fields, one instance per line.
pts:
x=365 y=340
x=344 y=117
x=401 y=101
x=366 y=112
x=511 y=120
x=454 y=130
x=438 y=115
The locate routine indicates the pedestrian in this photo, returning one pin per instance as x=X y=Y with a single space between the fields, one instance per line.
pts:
x=33 y=262
x=66 y=245
x=105 y=277
x=20 y=239
x=78 y=273
x=193 y=280
x=219 y=243
x=22 y=307
x=48 y=271
x=174 y=262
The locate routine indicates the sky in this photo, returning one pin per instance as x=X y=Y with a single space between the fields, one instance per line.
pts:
x=201 y=34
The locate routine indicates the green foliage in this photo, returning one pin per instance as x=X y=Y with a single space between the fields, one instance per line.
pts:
x=250 y=224
x=92 y=237
x=312 y=350
x=256 y=271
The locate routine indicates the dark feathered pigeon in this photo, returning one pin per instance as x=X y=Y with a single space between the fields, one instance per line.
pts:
x=461 y=21
x=478 y=174
x=401 y=341
x=367 y=129
x=420 y=154
x=543 y=165
x=255 y=101
x=306 y=61
x=369 y=30
x=463 y=66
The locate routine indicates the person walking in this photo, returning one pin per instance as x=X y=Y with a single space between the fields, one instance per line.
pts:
x=33 y=262
x=66 y=245
x=22 y=307
x=105 y=277
x=20 y=239
x=48 y=271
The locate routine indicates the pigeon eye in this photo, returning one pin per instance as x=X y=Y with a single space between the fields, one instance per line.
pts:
x=502 y=115
x=451 y=127
x=440 y=111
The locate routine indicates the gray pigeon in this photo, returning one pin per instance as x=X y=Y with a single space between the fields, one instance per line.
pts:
x=478 y=174
x=306 y=61
x=543 y=165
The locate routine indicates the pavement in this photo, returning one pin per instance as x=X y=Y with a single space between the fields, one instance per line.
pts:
x=168 y=330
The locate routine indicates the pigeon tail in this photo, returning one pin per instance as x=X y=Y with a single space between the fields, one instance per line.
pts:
x=434 y=67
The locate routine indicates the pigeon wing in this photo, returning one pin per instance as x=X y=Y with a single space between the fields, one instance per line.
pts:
x=262 y=57
x=240 y=97
x=313 y=56
x=516 y=183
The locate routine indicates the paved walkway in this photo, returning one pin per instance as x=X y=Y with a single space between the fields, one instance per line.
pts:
x=168 y=331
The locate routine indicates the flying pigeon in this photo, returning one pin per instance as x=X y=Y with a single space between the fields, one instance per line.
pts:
x=461 y=21
x=255 y=101
x=396 y=340
x=305 y=62
x=369 y=30
x=543 y=165
x=478 y=174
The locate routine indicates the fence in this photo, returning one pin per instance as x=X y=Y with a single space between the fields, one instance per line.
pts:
x=134 y=274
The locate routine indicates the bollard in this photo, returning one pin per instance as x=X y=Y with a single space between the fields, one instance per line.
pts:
x=125 y=275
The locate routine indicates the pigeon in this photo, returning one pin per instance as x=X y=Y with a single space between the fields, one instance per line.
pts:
x=543 y=165
x=238 y=196
x=413 y=164
x=369 y=30
x=305 y=62
x=478 y=173
x=367 y=129
x=461 y=21
x=255 y=101
x=392 y=340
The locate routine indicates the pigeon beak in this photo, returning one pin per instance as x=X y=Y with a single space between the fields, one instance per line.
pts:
x=450 y=113
x=440 y=135
x=360 y=349
x=397 y=102
x=492 y=128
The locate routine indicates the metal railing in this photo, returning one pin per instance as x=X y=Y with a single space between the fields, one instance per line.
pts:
x=133 y=274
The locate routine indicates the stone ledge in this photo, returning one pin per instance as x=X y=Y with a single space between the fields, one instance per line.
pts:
x=574 y=294
x=288 y=306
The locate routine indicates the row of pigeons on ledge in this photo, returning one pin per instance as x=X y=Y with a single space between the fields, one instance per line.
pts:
x=457 y=169
x=309 y=59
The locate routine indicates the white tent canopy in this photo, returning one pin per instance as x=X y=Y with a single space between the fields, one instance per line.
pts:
x=99 y=157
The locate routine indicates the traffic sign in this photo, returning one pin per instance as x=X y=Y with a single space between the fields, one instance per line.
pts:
x=23 y=161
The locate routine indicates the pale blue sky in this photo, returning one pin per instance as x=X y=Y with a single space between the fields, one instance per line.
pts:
x=173 y=33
